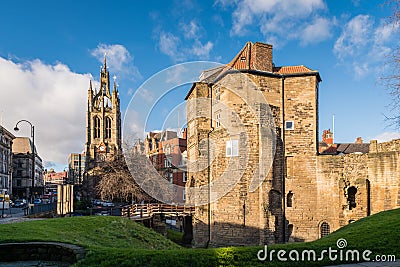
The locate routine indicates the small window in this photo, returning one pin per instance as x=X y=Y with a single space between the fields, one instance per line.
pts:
x=167 y=163
x=289 y=200
x=184 y=194
x=351 y=197
x=289 y=125
x=325 y=229
x=232 y=148
x=184 y=177
x=243 y=58
x=217 y=93
x=217 y=120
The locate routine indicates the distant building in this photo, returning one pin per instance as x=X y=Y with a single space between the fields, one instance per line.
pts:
x=22 y=168
x=54 y=178
x=103 y=126
x=167 y=152
x=76 y=167
x=328 y=147
x=6 y=139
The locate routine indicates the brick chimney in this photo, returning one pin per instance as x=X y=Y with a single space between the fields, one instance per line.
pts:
x=262 y=57
x=184 y=133
x=327 y=137
x=359 y=140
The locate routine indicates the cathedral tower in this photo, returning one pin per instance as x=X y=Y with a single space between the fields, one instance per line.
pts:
x=103 y=121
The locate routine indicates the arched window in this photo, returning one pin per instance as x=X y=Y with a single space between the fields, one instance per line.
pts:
x=289 y=199
x=325 y=229
x=96 y=123
x=351 y=197
x=108 y=128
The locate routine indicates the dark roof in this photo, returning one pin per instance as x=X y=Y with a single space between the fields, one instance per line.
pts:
x=352 y=148
x=346 y=148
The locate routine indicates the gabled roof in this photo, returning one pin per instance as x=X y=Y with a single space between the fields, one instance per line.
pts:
x=352 y=148
x=254 y=57
x=346 y=148
x=292 y=69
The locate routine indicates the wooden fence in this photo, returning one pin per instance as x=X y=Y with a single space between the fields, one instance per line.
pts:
x=145 y=211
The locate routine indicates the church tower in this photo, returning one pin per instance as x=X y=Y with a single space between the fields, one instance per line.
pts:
x=103 y=121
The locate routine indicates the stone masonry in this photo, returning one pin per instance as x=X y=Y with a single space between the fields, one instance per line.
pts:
x=302 y=194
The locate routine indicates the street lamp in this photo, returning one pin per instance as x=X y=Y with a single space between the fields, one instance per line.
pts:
x=33 y=152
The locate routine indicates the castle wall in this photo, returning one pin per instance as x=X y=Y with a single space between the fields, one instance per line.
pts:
x=324 y=196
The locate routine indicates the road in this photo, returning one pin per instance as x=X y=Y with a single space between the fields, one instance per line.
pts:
x=12 y=215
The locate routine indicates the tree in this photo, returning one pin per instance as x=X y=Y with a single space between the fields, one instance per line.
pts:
x=117 y=182
x=392 y=80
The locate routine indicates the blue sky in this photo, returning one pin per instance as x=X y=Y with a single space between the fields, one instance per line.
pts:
x=49 y=50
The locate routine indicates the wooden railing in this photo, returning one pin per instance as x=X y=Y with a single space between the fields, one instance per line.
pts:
x=144 y=211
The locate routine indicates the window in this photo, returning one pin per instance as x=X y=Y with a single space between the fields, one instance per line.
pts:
x=108 y=127
x=167 y=163
x=289 y=200
x=18 y=182
x=218 y=92
x=242 y=58
x=184 y=177
x=325 y=229
x=183 y=194
x=232 y=148
x=170 y=177
x=96 y=122
x=217 y=120
x=289 y=125
x=351 y=197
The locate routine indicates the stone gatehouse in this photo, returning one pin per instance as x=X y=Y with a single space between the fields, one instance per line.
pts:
x=256 y=172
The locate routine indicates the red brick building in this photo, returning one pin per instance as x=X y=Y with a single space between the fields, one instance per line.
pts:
x=167 y=152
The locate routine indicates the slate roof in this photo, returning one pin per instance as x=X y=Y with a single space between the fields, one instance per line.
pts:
x=346 y=148
x=352 y=148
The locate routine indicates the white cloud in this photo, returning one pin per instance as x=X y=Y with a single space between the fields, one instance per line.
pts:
x=52 y=98
x=172 y=46
x=277 y=19
x=191 y=30
x=168 y=44
x=364 y=45
x=354 y=36
x=202 y=50
x=318 y=30
x=119 y=60
x=386 y=136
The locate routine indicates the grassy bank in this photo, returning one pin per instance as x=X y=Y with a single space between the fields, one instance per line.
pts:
x=113 y=241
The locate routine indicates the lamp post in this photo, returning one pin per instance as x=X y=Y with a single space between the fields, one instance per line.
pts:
x=33 y=153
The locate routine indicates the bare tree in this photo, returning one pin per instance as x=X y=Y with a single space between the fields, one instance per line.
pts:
x=117 y=182
x=392 y=80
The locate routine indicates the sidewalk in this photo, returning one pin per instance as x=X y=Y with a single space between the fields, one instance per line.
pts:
x=369 y=264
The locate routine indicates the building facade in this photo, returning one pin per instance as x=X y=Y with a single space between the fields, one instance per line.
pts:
x=167 y=153
x=22 y=169
x=301 y=194
x=103 y=125
x=76 y=167
x=6 y=140
x=54 y=178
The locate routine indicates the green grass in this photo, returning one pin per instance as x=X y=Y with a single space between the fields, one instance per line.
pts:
x=112 y=241
x=90 y=232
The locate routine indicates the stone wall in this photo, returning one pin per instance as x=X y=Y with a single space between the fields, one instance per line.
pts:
x=43 y=251
x=325 y=195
